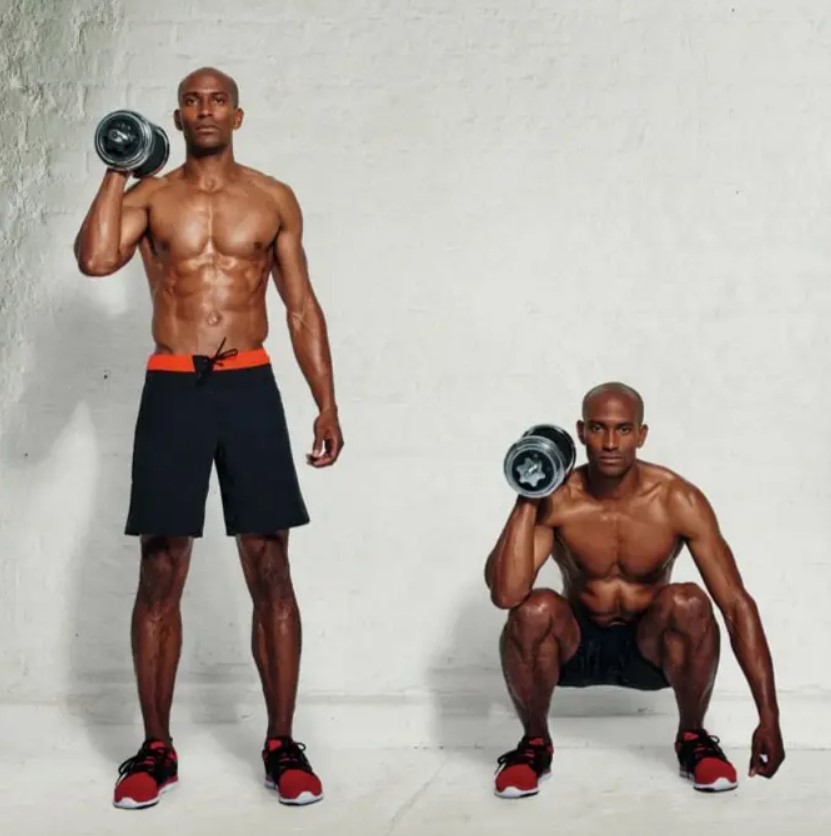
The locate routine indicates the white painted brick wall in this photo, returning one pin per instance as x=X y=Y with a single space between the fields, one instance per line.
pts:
x=505 y=203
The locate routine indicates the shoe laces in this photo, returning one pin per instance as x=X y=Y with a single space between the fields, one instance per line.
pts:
x=703 y=746
x=288 y=755
x=530 y=754
x=145 y=760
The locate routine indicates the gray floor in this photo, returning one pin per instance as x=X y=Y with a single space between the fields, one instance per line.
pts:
x=59 y=779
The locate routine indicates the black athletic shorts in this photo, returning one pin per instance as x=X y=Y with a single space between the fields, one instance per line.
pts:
x=609 y=656
x=196 y=411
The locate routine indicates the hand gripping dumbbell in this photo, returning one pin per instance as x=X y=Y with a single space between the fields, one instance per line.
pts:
x=126 y=141
x=542 y=459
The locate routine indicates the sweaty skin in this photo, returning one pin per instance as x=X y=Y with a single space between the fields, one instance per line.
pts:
x=210 y=233
x=615 y=529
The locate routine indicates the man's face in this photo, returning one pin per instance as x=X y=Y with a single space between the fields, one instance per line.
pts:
x=612 y=433
x=206 y=114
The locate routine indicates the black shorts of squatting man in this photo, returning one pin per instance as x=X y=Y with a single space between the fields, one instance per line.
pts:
x=199 y=411
x=609 y=656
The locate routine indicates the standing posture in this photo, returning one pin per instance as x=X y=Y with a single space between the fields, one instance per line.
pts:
x=209 y=234
x=615 y=528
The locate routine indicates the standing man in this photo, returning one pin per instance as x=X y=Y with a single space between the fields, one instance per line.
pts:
x=615 y=529
x=209 y=234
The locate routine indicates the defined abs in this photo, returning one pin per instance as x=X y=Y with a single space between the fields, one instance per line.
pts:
x=202 y=333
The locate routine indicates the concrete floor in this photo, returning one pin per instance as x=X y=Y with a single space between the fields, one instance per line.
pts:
x=56 y=776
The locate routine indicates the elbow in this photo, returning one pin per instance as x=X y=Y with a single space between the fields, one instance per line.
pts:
x=96 y=267
x=94 y=263
x=506 y=599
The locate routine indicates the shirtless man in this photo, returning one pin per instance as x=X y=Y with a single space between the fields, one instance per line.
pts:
x=209 y=234
x=615 y=529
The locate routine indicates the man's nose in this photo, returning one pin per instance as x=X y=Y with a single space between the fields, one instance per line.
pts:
x=610 y=441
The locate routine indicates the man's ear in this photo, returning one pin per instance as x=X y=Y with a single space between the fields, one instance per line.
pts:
x=238 y=117
x=177 y=119
x=581 y=432
x=642 y=434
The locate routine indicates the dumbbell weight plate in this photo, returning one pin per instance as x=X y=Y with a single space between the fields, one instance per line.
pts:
x=560 y=439
x=123 y=140
x=530 y=470
x=540 y=461
x=158 y=154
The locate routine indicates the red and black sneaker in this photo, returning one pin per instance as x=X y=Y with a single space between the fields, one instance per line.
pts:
x=144 y=777
x=288 y=771
x=702 y=761
x=520 y=770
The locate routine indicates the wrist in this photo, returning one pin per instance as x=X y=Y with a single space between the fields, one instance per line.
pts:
x=769 y=716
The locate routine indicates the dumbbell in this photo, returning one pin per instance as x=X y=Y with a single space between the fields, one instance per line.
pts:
x=542 y=459
x=126 y=141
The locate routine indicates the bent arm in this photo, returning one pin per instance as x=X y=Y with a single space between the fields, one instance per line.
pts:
x=514 y=562
x=113 y=226
x=697 y=523
x=307 y=325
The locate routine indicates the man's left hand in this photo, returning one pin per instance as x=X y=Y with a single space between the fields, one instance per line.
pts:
x=768 y=751
x=328 y=439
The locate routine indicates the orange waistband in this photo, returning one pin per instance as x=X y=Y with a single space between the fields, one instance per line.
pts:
x=184 y=362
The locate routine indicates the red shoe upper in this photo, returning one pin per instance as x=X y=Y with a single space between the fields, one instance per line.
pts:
x=700 y=755
x=289 y=770
x=142 y=776
x=521 y=768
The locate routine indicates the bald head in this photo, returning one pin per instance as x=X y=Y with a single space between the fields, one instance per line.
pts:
x=618 y=391
x=205 y=76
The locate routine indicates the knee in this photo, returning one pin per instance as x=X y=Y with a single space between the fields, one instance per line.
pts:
x=542 y=611
x=266 y=557
x=164 y=562
x=690 y=607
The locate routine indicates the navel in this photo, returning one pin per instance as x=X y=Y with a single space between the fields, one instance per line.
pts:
x=214 y=318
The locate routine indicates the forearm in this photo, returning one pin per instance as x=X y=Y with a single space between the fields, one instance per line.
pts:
x=510 y=571
x=98 y=242
x=310 y=341
x=747 y=638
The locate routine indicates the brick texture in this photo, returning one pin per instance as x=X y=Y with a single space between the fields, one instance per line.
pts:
x=505 y=203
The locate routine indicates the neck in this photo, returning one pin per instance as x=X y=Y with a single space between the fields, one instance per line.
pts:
x=209 y=167
x=613 y=487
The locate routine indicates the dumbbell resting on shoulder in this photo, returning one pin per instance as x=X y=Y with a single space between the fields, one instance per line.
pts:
x=126 y=141
x=542 y=459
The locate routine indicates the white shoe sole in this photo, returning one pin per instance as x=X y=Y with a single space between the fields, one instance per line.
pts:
x=515 y=792
x=131 y=804
x=719 y=785
x=301 y=801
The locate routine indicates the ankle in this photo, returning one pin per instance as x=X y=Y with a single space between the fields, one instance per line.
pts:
x=693 y=730
x=536 y=734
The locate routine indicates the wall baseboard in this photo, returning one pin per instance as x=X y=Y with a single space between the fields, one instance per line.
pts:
x=597 y=717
